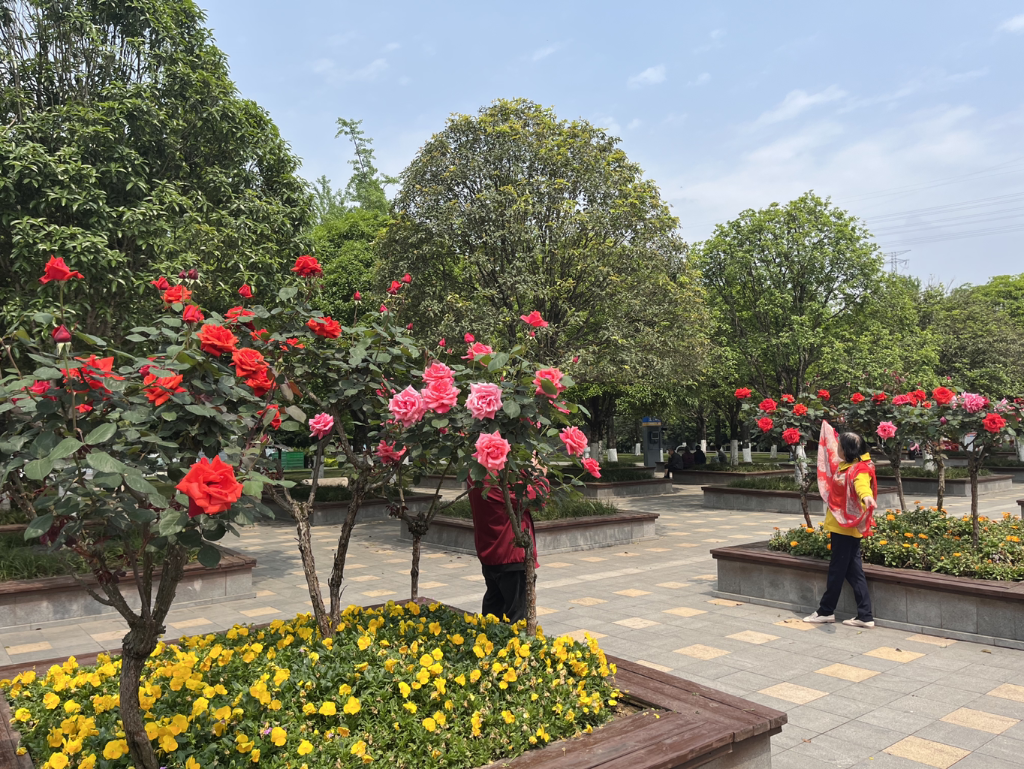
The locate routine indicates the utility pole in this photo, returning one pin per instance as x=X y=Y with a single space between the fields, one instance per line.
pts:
x=894 y=262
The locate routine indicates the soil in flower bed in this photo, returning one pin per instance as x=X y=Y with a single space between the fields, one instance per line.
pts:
x=952 y=473
x=1003 y=462
x=329 y=494
x=555 y=510
x=404 y=686
x=755 y=467
x=927 y=540
x=775 y=483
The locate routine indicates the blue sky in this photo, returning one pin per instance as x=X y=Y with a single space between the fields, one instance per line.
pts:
x=909 y=114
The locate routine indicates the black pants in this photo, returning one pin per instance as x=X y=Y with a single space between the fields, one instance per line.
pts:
x=506 y=591
x=846 y=566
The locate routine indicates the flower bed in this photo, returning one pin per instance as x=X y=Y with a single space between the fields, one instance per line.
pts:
x=331 y=506
x=709 y=474
x=927 y=540
x=397 y=685
x=955 y=487
x=742 y=497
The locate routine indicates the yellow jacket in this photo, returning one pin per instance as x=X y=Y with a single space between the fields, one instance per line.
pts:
x=862 y=485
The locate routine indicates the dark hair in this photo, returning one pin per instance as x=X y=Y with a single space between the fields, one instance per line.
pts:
x=853 y=446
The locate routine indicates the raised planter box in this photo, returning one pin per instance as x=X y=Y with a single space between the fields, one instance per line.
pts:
x=334 y=513
x=682 y=725
x=49 y=599
x=957 y=487
x=456 y=534
x=984 y=611
x=451 y=483
x=769 y=501
x=710 y=477
x=613 y=489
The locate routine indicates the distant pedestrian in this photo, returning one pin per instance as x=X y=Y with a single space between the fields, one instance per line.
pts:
x=688 y=459
x=673 y=464
x=699 y=457
x=722 y=456
x=850 y=491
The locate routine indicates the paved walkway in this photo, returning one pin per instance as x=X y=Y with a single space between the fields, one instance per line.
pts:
x=865 y=698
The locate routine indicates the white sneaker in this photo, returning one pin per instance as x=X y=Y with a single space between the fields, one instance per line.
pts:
x=854 y=622
x=817 y=619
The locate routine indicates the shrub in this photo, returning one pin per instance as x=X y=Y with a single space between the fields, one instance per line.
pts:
x=754 y=467
x=556 y=509
x=772 y=483
x=926 y=539
x=393 y=686
x=952 y=473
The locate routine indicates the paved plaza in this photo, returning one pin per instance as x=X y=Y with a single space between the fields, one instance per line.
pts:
x=865 y=698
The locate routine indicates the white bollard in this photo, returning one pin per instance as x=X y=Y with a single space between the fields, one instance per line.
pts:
x=636 y=449
x=661 y=455
x=734 y=448
x=747 y=459
x=613 y=455
x=775 y=451
x=704 y=446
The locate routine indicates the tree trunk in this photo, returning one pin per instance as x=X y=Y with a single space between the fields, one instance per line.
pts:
x=338 y=569
x=940 y=465
x=894 y=460
x=136 y=647
x=972 y=469
x=302 y=529
x=414 y=571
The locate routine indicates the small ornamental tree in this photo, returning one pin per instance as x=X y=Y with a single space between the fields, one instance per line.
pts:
x=108 y=453
x=793 y=422
x=930 y=421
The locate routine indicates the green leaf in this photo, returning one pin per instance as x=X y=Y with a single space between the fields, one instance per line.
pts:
x=287 y=292
x=140 y=484
x=38 y=469
x=101 y=434
x=39 y=526
x=511 y=408
x=498 y=360
x=43 y=318
x=65 y=448
x=102 y=462
x=209 y=556
x=296 y=413
x=548 y=387
x=253 y=488
x=172 y=521
x=47 y=372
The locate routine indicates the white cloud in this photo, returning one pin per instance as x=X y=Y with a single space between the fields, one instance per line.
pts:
x=702 y=79
x=634 y=123
x=335 y=74
x=609 y=124
x=650 y=76
x=543 y=53
x=391 y=47
x=799 y=101
x=716 y=36
x=1016 y=24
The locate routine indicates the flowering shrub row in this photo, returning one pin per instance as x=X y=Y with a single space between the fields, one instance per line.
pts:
x=404 y=685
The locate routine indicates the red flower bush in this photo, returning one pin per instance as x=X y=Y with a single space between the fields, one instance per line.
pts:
x=307 y=267
x=275 y=421
x=534 y=319
x=943 y=395
x=765 y=424
x=768 y=405
x=593 y=467
x=857 y=398
x=260 y=383
x=239 y=314
x=394 y=288
x=574 y=439
x=61 y=334
x=160 y=284
x=993 y=423
x=192 y=314
x=387 y=454
x=177 y=295
x=245 y=291
x=743 y=393
x=787 y=398
x=824 y=395
x=325 y=327
x=791 y=436
x=210 y=487
x=248 y=362
x=552 y=375
x=161 y=388
x=55 y=269
x=217 y=340
x=799 y=410
x=879 y=398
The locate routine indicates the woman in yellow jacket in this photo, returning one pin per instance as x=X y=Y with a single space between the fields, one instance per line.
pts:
x=845 y=564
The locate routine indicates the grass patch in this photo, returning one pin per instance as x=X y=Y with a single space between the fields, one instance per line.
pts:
x=557 y=509
x=754 y=467
x=952 y=473
x=774 y=483
x=21 y=559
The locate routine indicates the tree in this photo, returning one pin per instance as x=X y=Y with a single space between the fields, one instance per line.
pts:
x=127 y=148
x=788 y=280
x=512 y=211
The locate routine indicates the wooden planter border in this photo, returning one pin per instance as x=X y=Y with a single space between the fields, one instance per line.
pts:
x=695 y=724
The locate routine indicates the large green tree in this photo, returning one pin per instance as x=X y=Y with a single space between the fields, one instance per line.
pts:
x=513 y=210
x=790 y=282
x=127 y=148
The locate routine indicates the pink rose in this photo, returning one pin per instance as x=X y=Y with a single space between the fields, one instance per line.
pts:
x=554 y=376
x=437 y=371
x=441 y=395
x=593 y=467
x=974 y=403
x=534 y=319
x=491 y=451
x=387 y=454
x=408 y=406
x=902 y=400
x=477 y=350
x=321 y=425
x=484 y=400
x=468 y=338
x=574 y=439
x=886 y=430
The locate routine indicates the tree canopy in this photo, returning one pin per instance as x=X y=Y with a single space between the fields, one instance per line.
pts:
x=127 y=148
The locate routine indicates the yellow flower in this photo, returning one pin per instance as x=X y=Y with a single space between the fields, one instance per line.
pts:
x=364 y=642
x=908 y=534
x=922 y=536
x=429 y=724
x=460 y=679
x=352 y=706
x=191 y=763
x=435 y=628
x=508 y=716
x=114 y=749
x=57 y=761
x=437 y=654
x=404 y=688
x=884 y=542
x=71 y=706
x=168 y=744
x=22 y=714
x=305 y=747
x=255 y=758
x=281 y=676
x=328 y=709
x=411 y=707
x=222 y=714
x=358 y=748
x=278 y=736
x=89 y=762
x=474 y=676
x=51 y=700
x=457 y=639
x=794 y=543
x=309 y=708
x=426 y=660
x=275 y=705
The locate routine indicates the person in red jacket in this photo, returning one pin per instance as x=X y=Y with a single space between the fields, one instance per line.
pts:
x=502 y=563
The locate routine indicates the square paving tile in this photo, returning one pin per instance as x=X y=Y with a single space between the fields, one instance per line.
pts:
x=632 y=592
x=260 y=612
x=927 y=752
x=847 y=672
x=264 y=593
x=474 y=578
x=111 y=635
x=980 y=720
x=654 y=666
x=454 y=565
x=636 y=623
x=796 y=624
x=1008 y=692
x=593 y=559
x=581 y=635
x=688 y=544
x=725 y=602
x=41 y=646
x=799 y=695
x=893 y=655
x=543 y=610
x=587 y=601
x=627 y=555
x=657 y=549
x=708 y=577
x=674 y=585
x=558 y=565
x=931 y=639
x=702 y=652
x=198 y=621
x=684 y=611
x=363 y=578
x=430 y=585
x=379 y=593
x=753 y=637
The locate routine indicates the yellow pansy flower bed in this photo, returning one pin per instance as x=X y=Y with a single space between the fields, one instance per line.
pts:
x=395 y=686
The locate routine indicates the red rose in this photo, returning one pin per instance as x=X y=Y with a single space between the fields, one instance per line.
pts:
x=534 y=319
x=791 y=436
x=307 y=267
x=83 y=408
x=765 y=424
x=743 y=393
x=469 y=338
x=216 y=340
x=856 y=398
x=248 y=362
x=768 y=405
x=786 y=398
x=824 y=395
x=260 y=383
x=162 y=387
x=245 y=291
x=394 y=288
x=61 y=334
x=325 y=327
x=55 y=269
x=943 y=396
x=192 y=314
x=357 y=297
x=799 y=409
x=275 y=422
x=177 y=295
x=441 y=342
x=383 y=309
x=92 y=370
x=160 y=284
x=236 y=313
x=210 y=486
x=879 y=398
x=407 y=278
x=993 y=423
x=409 y=327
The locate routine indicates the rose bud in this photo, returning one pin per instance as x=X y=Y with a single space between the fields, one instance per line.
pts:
x=61 y=334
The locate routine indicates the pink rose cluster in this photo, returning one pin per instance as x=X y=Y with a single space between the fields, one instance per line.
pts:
x=321 y=425
x=574 y=439
x=886 y=430
x=387 y=454
x=440 y=394
x=492 y=451
x=554 y=376
x=484 y=400
x=973 y=402
x=407 y=406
